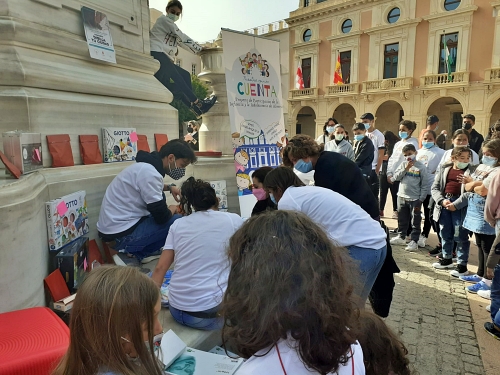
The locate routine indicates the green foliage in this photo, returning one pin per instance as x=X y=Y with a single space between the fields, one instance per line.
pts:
x=200 y=89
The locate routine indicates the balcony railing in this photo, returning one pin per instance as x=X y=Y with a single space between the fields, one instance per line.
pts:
x=304 y=93
x=346 y=88
x=403 y=83
x=443 y=79
x=492 y=74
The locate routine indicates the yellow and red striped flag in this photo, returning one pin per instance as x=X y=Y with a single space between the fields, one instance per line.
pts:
x=337 y=76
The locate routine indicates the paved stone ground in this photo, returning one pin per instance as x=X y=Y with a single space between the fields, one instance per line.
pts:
x=431 y=313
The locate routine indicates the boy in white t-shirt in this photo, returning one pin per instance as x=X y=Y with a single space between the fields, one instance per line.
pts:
x=378 y=140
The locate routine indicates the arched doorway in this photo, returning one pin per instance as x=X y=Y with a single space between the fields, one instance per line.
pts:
x=449 y=111
x=345 y=115
x=388 y=116
x=306 y=122
x=495 y=113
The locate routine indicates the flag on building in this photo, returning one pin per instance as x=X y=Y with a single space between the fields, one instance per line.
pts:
x=337 y=75
x=299 y=80
x=449 y=61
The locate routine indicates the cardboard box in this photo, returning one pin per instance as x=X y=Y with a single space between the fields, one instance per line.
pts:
x=118 y=145
x=72 y=261
x=62 y=228
x=65 y=304
x=24 y=150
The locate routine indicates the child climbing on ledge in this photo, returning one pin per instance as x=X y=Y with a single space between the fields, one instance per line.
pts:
x=165 y=36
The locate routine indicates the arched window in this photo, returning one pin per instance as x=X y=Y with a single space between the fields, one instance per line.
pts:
x=451 y=4
x=346 y=26
x=393 y=15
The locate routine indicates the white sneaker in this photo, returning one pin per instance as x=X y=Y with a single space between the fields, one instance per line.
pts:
x=488 y=308
x=421 y=241
x=412 y=246
x=484 y=293
x=398 y=241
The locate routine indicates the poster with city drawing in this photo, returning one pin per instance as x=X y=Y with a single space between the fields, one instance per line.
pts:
x=98 y=35
x=221 y=193
x=253 y=82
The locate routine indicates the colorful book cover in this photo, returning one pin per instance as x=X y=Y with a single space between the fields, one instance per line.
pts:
x=119 y=144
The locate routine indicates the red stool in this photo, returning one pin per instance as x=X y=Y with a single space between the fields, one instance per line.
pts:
x=32 y=341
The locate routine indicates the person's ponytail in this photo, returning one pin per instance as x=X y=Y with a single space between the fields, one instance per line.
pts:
x=197 y=194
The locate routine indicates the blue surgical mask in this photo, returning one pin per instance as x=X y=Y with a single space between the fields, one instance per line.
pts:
x=462 y=165
x=403 y=135
x=367 y=126
x=489 y=161
x=304 y=167
x=358 y=137
x=173 y=17
x=428 y=144
x=273 y=199
x=286 y=135
x=330 y=129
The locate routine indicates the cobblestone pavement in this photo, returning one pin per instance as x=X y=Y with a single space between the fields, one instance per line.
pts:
x=431 y=313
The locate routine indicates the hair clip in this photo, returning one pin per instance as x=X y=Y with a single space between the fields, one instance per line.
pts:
x=123 y=338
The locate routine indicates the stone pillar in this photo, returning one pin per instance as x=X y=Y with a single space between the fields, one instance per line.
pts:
x=215 y=134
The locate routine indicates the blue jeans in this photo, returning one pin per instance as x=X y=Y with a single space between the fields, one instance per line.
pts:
x=147 y=238
x=370 y=262
x=205 y=324
x=495 y=296
x=451 y=230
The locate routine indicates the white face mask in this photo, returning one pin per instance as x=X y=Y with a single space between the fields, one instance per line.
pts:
x=173 y=17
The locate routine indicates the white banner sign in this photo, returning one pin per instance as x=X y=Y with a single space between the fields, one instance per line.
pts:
x=98 y=35
x=255 y=101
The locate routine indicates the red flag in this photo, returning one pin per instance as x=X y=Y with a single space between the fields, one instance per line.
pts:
x=299 y=80
x=337 y=76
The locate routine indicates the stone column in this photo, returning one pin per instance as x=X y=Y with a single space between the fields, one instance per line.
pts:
x=215 y=134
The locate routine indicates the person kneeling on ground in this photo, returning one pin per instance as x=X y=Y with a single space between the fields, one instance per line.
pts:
x=339 y=216
x=164 y=38
x=288 y=304
x=197 y=243
x=414 y=180
x=134 y=216
x=114 y=325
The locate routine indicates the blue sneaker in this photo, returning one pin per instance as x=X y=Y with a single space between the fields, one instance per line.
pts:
x=471 y=278
x=477 y=287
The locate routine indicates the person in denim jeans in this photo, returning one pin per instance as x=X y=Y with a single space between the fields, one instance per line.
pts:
x=451 y=206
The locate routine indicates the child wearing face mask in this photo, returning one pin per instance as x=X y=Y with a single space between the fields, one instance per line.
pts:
x=364 y=151
x=406 y=129
x=430 y=155
x=475 y=186
x=339 y=144
x=264 y=202
x=164 y=37
x=114 y=326
x=460 y=138
x=328 y=130
x=414 y=180
x=451 y=207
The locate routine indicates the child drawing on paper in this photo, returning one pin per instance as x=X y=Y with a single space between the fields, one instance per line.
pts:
x=241 y=158
x=243 y=182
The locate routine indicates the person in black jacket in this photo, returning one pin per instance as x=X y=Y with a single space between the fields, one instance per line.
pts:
x=363 y=150
x=192 y=138
x=264 y=203
x=134 y=215
x=331 y=170
x=475 y=139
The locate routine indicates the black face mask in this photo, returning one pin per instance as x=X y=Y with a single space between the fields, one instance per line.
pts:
x=190 y=129
x=467 y=126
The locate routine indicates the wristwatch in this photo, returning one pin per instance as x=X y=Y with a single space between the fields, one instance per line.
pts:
x=169 y=188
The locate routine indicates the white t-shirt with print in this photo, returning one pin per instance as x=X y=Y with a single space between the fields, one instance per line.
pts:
x=344 y=221
x=292 y=364
x=431 y=158
x=201 y=267
x=378 y=140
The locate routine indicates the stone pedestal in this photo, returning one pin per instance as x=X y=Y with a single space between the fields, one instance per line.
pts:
x=215 y=134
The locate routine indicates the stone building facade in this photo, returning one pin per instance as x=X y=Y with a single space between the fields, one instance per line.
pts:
x=394 y=57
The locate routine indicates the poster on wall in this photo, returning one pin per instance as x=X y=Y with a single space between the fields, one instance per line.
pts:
x=221 y=193
x=98 y=35
x=255 y=101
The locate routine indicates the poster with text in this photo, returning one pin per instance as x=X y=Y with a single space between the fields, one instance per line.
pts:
x=98 y=35
x=255 y=101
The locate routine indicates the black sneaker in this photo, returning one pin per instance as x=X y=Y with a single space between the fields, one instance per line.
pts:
x=443 y=264
x=460 y=270
x=437 y=250
x=196 y=110
x=205 y=104
x=490 y=328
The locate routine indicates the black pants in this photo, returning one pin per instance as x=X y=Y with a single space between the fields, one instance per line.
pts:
x=181 y=87
x=484 y=243
x=385 y=187
x=374 y=184
x=427 y=217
